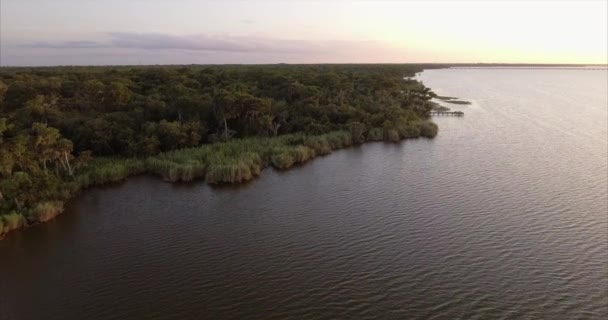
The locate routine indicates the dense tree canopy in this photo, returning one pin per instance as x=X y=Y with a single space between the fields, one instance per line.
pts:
x=53 y=120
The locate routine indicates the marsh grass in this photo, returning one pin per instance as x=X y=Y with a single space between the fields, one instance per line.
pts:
x=11 y=221
x=238 y=160
x=233 y=168
x=375 y=134
x=234 y=161
x=392 y=135
x=410 y=130
x=46 y=211
x=287 y=156
x=319 y=144
x=428 y=129
x=242 y=160
x=107 y=170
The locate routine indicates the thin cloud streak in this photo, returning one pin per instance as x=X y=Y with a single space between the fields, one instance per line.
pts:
x=241 y=44
x=78 y=44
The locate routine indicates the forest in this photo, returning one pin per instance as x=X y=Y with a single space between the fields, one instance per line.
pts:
x=63 y=129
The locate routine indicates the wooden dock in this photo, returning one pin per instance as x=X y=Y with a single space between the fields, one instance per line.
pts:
x=447 y=113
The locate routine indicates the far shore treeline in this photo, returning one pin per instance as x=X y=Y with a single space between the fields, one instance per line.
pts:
x=65 y=129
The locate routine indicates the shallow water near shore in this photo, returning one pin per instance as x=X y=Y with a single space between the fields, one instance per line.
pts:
x=502 y=215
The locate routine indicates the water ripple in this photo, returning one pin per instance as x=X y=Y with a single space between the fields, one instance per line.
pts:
x=502 y=216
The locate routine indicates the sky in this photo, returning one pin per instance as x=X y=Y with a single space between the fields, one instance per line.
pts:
x=118 y=32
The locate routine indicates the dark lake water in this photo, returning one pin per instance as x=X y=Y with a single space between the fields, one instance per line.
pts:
x=503 y=215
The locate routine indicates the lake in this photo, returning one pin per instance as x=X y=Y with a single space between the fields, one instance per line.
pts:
x=503 y=215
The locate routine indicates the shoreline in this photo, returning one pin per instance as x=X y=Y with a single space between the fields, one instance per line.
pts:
x=188 y=165
x=65 y=130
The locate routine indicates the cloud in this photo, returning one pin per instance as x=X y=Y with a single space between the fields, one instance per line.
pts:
x=79 y=44
x=201 y=42
x=159 y=48
x=158 y=41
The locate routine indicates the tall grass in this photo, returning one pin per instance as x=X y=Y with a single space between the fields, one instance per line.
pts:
x=392 y=135
x=238 y=160
x=242 y=160
x=375 y=134
x=101 y=171
x=222 y=168
x=46 y=211
x=409 y=130
x=428 y=129
x=286 y=156
x=226 y=162
x=319 y=144
x=11 y=221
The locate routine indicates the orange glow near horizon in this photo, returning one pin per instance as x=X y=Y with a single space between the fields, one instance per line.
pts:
x=332 y=31
x=492 y=31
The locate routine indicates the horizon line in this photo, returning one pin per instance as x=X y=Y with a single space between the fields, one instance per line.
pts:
x=318 y=63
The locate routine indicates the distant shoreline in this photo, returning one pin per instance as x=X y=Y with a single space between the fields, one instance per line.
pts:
x=432 y=65
x=535 y=68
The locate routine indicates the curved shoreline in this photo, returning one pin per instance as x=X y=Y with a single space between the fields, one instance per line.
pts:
x=182 y=123
x=232 y=162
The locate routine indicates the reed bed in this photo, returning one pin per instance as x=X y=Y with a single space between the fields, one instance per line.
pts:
x=46 y=211
x=242 y=160
x=234 y=161
x=375 y=134
x=10 y=222
x=428 y=129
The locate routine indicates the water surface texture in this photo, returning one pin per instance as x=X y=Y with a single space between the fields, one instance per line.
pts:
x=503 y=215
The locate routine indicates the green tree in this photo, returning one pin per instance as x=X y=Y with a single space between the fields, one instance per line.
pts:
x=357 y=131
x=3 y=89
x=224 y=109
x=44 y=141
x=118 y=95
x=41 y=109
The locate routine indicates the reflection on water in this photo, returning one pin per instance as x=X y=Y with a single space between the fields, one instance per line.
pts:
x=502 y=215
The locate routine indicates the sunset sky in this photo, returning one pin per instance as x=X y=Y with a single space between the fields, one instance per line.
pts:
x=76 y=32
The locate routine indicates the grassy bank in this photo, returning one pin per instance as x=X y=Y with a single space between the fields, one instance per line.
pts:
x=63 y=130
x=234 y=161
